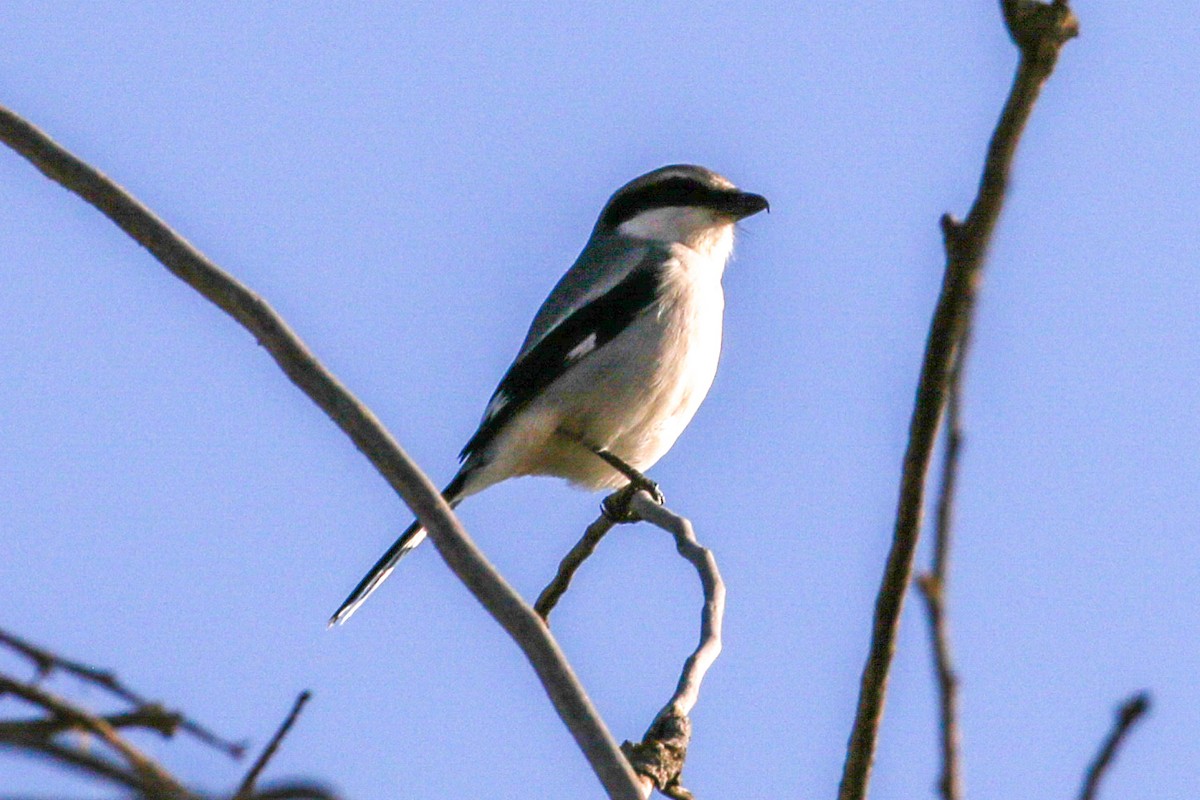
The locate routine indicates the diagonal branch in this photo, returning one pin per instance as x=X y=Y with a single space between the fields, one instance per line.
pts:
x=570 y=564
x=933 y=586
x=246 y=790
x=87 y=763
x=154 y=718
x=1040 y=30
x=1128 y=715
x=366 y=431
x=47 y=662
x=155 y=778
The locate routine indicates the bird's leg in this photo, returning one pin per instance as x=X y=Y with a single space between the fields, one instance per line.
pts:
x=637 y=481
x=616 y=505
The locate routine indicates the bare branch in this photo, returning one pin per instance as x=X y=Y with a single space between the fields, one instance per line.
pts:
x=157 y=781
x=933 y=585
x=688 y=690
x=47 y=662
x=84 y=761
x=526 y=628
x=573 y=560
x=1040 y=31
x=661 y=753
x=246 y=790
x=154 y=718
x=1128 y=714
x=658 y=759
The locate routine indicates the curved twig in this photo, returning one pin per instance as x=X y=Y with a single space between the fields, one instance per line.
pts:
x=687 y=692
x=659 y=757
x=368 y=434
x=1040 y=30
x=570 y=564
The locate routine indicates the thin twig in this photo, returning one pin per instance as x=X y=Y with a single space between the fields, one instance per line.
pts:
x=247 y=787
x=84 y=761
x=464 y=558
x=1128 y=714
x=47 y=662
x=687 y=692
x=661 y=753
x=934 y=584
x=1040 y=31
x=154 y=718
x=573 y=560
x=659 y=757
x=157 y=780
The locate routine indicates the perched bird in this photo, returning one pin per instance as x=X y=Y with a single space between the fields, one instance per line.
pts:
x=620 y=354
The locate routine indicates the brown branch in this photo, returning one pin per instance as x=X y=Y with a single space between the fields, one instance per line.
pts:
x=246 y=790
x=84 y=761
x=1128 y=714
x=526 y=628
x=1040 y=31
x=933 y=586
x=157 y=781
x=47 y=662
x=154 y=718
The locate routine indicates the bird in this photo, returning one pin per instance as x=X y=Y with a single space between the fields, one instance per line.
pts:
x=618 y=358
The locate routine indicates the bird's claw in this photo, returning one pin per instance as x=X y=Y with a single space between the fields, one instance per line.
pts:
x=616 y=507
x=650 y=487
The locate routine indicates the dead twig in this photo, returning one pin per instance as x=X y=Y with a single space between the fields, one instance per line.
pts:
x=155 y=780
x=573 y=560
x=246 y=790
x=659 y=757
x=933 y=586
x=1128 y=715
x=47 y=663
x=153 y=717
x=1040 y=30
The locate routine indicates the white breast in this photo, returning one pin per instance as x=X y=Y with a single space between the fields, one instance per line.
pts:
x=635 y=395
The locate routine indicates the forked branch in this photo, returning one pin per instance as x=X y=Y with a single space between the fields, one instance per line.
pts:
x=1040 y=30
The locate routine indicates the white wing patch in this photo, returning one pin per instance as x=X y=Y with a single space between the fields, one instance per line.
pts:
x=582 y=349
x=496 y=405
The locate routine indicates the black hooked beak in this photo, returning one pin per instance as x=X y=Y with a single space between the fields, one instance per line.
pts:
x=740 y=205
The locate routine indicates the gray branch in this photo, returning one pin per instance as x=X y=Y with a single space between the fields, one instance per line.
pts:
x=366 y=431
x=658 y=759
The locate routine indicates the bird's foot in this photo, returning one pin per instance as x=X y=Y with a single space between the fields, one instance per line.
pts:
x=616 y=508
x=617 y=505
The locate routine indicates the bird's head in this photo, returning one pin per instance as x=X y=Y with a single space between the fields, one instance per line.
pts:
x=682 y=204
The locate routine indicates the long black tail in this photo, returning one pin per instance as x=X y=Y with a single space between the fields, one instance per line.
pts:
x=413 y=536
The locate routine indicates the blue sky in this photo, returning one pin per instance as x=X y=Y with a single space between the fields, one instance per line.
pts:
x=405 y=183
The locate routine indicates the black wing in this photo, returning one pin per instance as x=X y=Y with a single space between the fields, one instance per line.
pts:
x=579 y=335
